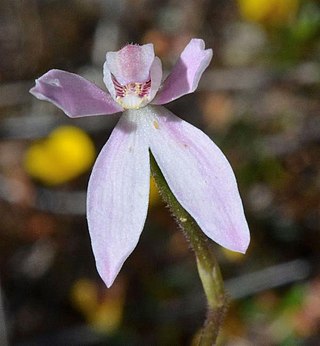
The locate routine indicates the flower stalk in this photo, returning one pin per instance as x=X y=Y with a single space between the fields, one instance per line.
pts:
x=208 y=267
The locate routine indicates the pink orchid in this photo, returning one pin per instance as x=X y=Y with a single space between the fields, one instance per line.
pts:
x=195 y=169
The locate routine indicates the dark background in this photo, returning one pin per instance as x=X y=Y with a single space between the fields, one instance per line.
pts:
x=258 y=100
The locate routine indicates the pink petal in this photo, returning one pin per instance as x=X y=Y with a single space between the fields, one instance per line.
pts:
x=155 y=76
x=76 y=96
x=118 y=193
x=131 y=64
x=107 y=79
x=200 y=177
x=185 y=76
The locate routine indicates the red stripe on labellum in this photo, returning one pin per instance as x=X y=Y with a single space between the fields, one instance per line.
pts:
x=140 y=89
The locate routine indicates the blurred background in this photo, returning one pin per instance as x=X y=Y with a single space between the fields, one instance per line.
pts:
x=258 y=100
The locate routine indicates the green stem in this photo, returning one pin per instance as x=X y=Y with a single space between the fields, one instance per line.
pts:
x=208 y=267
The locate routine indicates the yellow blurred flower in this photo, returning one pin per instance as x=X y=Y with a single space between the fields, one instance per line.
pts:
x=102 y=308
x=232 y=256
x=154 y=196
x=108 y=316
x=84 y=295
x=64 y=155
x=268 y=12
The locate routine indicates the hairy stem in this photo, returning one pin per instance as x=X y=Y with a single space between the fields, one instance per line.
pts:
x=208 y=267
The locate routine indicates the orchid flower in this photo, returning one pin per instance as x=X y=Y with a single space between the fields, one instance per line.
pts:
x=195 y=169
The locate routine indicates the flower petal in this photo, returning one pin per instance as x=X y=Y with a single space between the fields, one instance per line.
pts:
x=76 y=96
x=200 y=177
x=185 y=76
x=131 y=64
x=107 y=79
x=155 y=76
x=117 y=199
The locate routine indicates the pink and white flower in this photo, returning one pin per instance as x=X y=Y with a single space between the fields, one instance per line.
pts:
x=195 y=169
